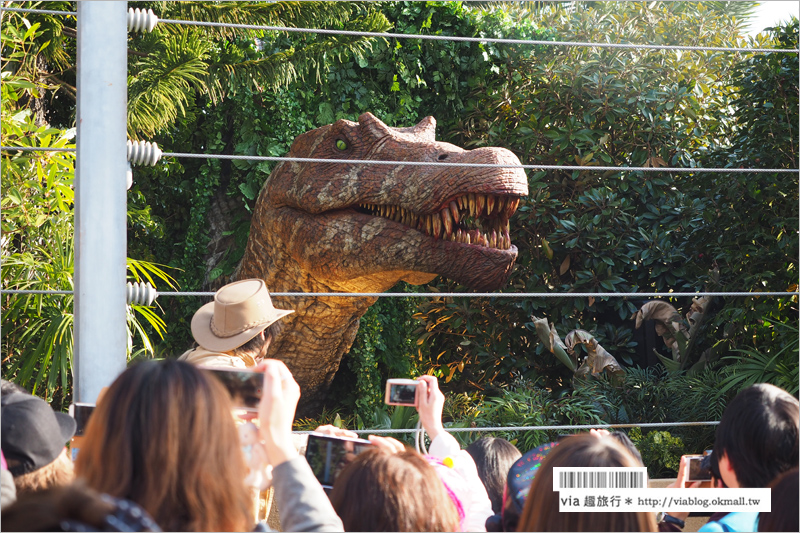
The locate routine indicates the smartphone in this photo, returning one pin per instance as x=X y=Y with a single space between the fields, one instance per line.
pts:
x=699 y=467
x=401 y=391
x=328 y=455
x=81 y=413
x=244 y=386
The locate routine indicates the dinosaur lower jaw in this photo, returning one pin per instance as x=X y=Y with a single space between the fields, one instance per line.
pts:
x=475 y=219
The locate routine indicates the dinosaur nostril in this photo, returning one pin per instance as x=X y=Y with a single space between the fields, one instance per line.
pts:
x=442 y=157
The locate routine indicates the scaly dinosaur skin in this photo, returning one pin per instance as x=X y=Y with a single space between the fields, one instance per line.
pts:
x=335 y=227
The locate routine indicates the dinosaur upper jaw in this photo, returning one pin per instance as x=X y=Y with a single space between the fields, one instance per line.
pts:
x=369 y=248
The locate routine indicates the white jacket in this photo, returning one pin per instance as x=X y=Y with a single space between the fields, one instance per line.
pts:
x=479 y=507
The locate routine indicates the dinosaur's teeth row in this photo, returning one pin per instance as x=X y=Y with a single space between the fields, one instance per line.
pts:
x=443 y=225
x=500 y=240
x=484 y=204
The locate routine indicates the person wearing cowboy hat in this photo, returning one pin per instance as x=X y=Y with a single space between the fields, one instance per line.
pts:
x=235 y=330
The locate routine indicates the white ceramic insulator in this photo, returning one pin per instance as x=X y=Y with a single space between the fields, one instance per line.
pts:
x=141 y=21
x=141 y=293
x=129 y=176
x=143 y=153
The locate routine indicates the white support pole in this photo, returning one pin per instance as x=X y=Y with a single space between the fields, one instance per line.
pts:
x=100 y=198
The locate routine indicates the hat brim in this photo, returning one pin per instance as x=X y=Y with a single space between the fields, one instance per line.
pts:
x=67 y=424
x=201 y=330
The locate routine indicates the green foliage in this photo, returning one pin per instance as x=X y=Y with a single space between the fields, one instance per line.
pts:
x=37 y=243
x=777 y=365
x=598 y=231
x=521 y=404
x=661 y=452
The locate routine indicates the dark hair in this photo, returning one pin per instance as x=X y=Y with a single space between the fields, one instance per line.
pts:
x=163 y=436
x=382 y=491
x=758 y=434
x=628 y=444
x=493 y=457
x=785 y=495
x=254 y=346
x=541 y=512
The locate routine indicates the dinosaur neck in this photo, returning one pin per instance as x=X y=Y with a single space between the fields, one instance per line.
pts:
x=320 y=331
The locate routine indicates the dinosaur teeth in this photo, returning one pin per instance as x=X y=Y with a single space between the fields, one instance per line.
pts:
x=447 y=222
x=490 y=201
x=511 y=207
x=472 y=204
x=454 y=212
x=437 y=226
x=480 y=202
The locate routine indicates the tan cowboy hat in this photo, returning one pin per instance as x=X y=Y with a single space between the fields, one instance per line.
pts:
x=240 y=311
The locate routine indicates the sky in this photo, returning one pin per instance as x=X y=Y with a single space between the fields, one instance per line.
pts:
x=770 y=13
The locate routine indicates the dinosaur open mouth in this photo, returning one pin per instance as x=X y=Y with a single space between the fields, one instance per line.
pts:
x=477 y=219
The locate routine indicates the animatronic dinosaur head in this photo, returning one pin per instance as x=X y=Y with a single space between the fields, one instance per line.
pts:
x=364 y=227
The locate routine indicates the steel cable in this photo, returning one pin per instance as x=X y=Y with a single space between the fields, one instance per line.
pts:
x=434 y=163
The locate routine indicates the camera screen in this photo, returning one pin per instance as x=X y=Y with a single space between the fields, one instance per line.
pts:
x=81 y=413
x=244 y=386
x=699 y=469
x=403 y=394
x=329 y=455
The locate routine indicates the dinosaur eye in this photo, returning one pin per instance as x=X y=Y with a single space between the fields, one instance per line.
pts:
x=341 y=145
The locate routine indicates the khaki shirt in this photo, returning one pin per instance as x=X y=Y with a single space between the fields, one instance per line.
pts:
x=201 y=356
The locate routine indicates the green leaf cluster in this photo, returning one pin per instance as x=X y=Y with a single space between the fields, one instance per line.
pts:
x=37 y=245
x=615 y=231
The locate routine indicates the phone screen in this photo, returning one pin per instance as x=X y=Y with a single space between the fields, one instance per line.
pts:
x=329 y=455
x=244 y=386
x=699 y=469
x=81 y=413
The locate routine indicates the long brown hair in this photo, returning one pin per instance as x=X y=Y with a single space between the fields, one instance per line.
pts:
x=382 y=491
x=163 y=436
x=541 y=512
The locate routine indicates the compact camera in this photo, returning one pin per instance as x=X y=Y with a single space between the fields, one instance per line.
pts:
x=401 y=391
x=700 y=467
x=244 y=386
x=328 y=455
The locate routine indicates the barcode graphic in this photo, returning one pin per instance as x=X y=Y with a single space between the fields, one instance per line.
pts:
x=599 y=478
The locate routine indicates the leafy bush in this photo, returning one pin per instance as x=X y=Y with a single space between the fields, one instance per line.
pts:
x=604 y=231
x=661 y=452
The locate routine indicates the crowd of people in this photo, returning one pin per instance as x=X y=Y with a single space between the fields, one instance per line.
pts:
x=164 y=451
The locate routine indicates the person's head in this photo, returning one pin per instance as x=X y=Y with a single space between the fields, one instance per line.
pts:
x=33 y=439
x=255 y=350
x=541 y=512
x=785 y=496
x=235 y=322
x=493 y=457
x=383 y=491
x=164 y=437
x=628 y=444
x=757 y=438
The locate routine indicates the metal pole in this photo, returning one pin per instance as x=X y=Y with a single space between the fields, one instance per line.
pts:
x=100 y=198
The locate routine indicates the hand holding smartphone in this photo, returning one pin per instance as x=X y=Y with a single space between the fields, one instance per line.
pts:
x=328 y=455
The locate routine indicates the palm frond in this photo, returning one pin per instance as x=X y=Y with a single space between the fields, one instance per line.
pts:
x=313 y=58
x=162 y=83
x=285 y=14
